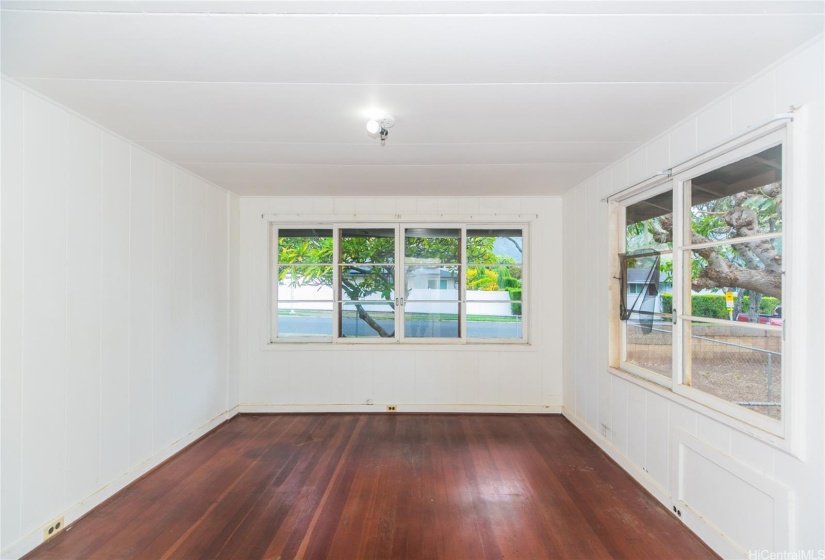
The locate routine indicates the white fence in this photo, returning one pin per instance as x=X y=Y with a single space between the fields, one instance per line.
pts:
x=420 y=300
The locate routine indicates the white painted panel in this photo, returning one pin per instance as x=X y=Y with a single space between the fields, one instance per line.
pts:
x=467 y=378
x=683 y=142
x=469 y=205
x=714 y=124
x=637 y=425
x=637 y=166
x=619 y=175
x=340 y=390
x=383 y=364
x=618 y=432
x=404 y=376
x=713 y=433
x=427 y=370
x=84 y=284
x=658 y=155
x=448 y=206
x=12 y=207
x=426 y=206
x=385 y=205
x=754 y=103
x=200 y=359
x=363 y=374
x=115 y=307
x=141 y=305
x=532 y=383
x=163 y=341
x=315 y=381
x=799 y=80
x=683 y=418
x=44 y=322
x=343 y=206
x=233 y=325
x=365 y=205
x=726 y=501
x=657 y=445
x=180 y=412
x=753 y=453
x=489 y=379
x=218 y=294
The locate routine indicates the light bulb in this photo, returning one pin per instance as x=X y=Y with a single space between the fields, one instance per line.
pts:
x=373 y=127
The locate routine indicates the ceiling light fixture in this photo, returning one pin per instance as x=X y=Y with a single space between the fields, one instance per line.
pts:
x=379 y=125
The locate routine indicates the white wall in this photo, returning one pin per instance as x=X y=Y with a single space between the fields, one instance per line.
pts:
x=730 y=487
x=415 y=377
x=116 y=270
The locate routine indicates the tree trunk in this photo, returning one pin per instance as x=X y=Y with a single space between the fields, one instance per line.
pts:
x=364 y=316
x=753 y=307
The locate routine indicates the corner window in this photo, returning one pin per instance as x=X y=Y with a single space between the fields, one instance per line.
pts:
x=446 y=283
x=701 y=266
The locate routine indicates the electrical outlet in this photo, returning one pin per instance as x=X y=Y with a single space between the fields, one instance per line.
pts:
x=52 y=528
x=391 y=408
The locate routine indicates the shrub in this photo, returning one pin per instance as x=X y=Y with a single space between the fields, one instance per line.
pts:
x=714 y=305
x=515 y=295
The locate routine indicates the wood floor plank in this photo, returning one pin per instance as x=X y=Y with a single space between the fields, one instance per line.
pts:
x=355 y=486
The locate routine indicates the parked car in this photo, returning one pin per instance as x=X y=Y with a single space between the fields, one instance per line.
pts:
x=764 y=319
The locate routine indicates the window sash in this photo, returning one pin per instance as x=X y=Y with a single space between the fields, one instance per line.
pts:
x=401 y=269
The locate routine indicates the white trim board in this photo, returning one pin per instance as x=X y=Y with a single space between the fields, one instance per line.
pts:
x=401 y=408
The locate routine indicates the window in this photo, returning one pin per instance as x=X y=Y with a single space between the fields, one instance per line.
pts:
x=448 y=283
x=702 y=272
x=646 y=268
x=303 y=292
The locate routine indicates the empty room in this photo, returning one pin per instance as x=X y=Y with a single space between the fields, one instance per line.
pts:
x=412 y=279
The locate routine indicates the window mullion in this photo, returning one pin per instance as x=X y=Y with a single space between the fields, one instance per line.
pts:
x=678 y=289
x=273 y=283
x=400 y=291
x=336 y=283
x=462 y=286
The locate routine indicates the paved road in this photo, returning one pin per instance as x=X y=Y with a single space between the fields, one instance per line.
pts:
x=297 y=325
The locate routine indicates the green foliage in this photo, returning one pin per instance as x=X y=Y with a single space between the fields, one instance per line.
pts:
x=715 y=305
x=766 y=306
x=515 y=296
x=482 y=279
x=511 y=282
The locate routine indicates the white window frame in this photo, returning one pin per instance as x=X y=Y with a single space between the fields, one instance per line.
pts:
x=657 y=187
x=775 y=432
x=272 y=283
x=682 y=248
x=399 y=225
x=336 y=233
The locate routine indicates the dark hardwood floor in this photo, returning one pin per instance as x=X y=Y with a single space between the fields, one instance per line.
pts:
x=356 y=486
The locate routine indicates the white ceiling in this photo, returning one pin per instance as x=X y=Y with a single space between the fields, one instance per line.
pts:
x=490 y=97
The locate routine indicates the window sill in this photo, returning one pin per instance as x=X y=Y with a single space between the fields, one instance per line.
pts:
x=390 y=346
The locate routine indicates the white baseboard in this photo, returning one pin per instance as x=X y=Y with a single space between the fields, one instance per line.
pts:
x=696 y=524
x=417 y=408
x=29 y=542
